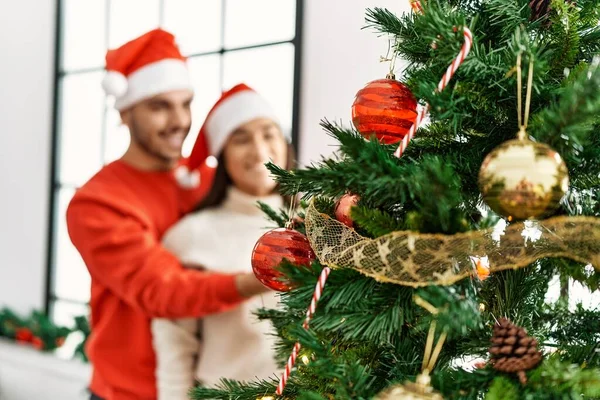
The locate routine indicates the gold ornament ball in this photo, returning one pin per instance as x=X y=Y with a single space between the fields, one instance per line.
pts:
x=420 y=390
x=522 y=179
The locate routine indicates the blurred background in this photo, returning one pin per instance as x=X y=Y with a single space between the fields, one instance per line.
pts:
x=308 y=57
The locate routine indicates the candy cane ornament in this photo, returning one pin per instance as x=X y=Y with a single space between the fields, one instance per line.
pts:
x=416 y=6
x=452 y=68
x=309 y=313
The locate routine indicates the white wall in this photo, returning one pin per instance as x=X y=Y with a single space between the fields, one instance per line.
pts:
x=339 y=59
x=26 y=92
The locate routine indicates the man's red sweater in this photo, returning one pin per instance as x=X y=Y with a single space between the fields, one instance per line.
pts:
x=116 y=221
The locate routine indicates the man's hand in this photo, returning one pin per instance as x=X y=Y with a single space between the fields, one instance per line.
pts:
x=249 y=286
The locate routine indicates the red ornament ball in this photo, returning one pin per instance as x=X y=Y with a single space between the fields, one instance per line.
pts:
x=386 y=108
x=274 y=246
x=343 y=207
x=24 y=335
x=38 y=343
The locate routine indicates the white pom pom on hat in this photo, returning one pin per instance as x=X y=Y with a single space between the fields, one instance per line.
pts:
x=114 y=83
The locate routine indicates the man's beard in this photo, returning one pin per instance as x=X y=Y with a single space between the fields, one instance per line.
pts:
x=145 y=142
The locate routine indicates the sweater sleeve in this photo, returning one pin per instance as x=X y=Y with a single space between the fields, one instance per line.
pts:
x=125 y=256
x=177 y=347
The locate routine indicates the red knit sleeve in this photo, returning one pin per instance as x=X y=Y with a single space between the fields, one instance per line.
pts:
x=124 y=256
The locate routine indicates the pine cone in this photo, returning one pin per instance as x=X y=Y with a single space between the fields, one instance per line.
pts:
x=512 y=350
x=539 y=8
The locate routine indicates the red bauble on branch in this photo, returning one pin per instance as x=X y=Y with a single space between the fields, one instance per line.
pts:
x=38 y=343
x=343 y=208
x=24 y=335
x=385 y=108
x=274 y=246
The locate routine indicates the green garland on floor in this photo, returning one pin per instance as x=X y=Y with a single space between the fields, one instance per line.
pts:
x=36 y=330
x=82 y=325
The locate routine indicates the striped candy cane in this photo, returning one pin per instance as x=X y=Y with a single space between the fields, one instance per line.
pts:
x=416 y=6
x=421 y=114
x=309 y=313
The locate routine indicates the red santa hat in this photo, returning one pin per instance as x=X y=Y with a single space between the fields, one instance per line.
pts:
x=235 y=107
x=144 y=67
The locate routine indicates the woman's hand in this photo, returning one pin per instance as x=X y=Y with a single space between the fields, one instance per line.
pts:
x=249 y=286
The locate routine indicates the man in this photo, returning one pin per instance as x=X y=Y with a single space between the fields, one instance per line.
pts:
x=116 y=221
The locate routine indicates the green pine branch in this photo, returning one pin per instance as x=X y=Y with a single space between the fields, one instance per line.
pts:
x=503 y=388
x=516 y=294
x=279 y=217
x=570 y=124
x=229 y=389
x=555 y=379
x=374 y=222
x=432 y=187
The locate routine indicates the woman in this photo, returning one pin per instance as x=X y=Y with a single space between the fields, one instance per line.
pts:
x=243 y=131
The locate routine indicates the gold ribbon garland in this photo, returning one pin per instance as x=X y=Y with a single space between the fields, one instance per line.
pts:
x=418 y=259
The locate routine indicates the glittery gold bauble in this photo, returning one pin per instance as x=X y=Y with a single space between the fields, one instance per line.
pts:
x=522 y=179
x=421 y=390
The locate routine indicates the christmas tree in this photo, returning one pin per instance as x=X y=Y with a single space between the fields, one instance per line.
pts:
x=448 y=210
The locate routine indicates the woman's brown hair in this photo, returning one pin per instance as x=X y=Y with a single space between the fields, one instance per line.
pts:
x=222 y=181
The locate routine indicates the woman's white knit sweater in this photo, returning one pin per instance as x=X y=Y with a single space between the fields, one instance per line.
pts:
x=234 y=344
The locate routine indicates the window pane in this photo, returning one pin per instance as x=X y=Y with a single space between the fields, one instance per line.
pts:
x=205 y=77
x=269 y=70
x=131 y=18
x=71 y=277
x=196 y=24
x=64 y=312
x=81 y=111
x=83 y=33
x=259 y=21
x=117 y=136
